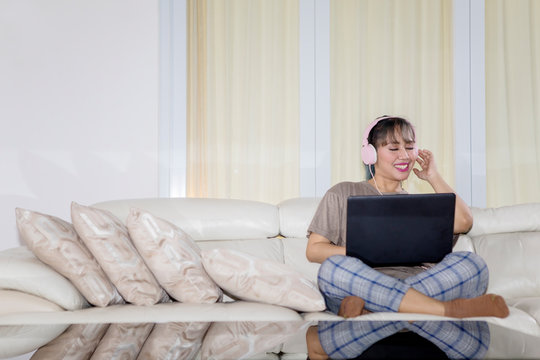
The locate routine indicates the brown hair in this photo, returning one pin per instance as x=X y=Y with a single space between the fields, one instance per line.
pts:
x=385 y=131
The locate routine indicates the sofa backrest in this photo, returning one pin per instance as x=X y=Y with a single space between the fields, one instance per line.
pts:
x=274 y=232
x=295 y=215
x=508 y=238
x=207 y=219
x=248 y=226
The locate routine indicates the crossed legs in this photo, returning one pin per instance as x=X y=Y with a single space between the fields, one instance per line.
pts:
x=453 y=288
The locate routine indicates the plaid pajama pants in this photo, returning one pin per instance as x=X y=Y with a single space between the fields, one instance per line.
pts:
x=457 y=339
x=459 y=275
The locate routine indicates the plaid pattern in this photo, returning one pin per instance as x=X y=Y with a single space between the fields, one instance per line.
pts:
x=459 y=275
x=457 y=339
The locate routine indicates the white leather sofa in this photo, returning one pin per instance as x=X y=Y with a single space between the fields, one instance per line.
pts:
x=32 y=294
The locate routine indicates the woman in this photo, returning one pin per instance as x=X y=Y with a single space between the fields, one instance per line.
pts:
x=454 y=287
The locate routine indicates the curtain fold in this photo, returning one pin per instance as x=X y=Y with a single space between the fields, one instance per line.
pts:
x=243 y=118
x=391 y=57
x=512 y=101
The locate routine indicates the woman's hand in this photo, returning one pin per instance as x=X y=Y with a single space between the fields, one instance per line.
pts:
x=428 y=170
x=463 y=216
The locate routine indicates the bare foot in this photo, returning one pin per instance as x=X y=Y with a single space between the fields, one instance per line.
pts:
x=485 y=305
x=352 y=306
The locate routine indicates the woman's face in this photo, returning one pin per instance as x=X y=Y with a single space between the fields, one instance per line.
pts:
x=396 y=159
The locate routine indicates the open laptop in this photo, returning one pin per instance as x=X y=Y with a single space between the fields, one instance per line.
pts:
x=400 y=230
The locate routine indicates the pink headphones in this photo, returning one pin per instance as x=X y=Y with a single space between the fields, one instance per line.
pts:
x=368 y=152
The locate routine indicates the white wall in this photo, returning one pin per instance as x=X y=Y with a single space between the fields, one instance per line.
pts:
x=78 y=105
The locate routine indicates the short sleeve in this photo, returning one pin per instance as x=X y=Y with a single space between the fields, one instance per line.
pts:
x=326 y=221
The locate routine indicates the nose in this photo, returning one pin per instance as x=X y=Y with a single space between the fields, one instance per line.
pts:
x=403 y=153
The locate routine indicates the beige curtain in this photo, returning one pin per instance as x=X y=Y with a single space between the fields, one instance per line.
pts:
x=243 y=112
x=391 y=57
x=513 y=101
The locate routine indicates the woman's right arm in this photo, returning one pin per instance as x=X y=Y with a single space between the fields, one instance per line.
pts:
x=320 y=248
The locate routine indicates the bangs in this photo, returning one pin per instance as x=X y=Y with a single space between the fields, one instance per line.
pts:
x=386 y=132
x=407 y=134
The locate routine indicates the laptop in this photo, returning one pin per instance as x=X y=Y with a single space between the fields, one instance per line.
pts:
x=400 y=230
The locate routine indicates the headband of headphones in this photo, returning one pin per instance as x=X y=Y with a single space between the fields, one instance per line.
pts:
x=368 y=151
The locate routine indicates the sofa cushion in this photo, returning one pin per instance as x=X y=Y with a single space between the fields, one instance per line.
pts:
x=530 y=305
x=512 y=260
x=56 y=243
x=22 y=271
x=173 y=258
x=108 y=240
x=295 y=215
x=159 y=313
x=294 y=250
x=506 y=219
x=254 y=279
x=207 y=219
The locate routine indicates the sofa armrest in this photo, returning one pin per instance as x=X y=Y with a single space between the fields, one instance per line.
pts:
x=20 y=270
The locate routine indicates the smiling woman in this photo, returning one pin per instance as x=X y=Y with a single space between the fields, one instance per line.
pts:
x=453 y=287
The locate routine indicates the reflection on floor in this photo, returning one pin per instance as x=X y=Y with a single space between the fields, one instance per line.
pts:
x=348 y=339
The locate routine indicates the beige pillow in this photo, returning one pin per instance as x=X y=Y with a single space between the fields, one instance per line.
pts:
x=56 y=243
x=78 y=342
x=174 y=341
x=247 y=339
x=108 y=240
x=254 y=279
x=173 y=258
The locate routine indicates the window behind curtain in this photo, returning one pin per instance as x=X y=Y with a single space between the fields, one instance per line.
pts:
x=513 y=101
x=243 y=110
x=387 y=57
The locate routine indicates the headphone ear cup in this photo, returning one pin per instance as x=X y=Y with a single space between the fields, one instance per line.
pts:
x=369 y=154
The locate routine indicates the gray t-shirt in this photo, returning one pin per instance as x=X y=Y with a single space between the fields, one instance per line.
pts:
x=330 y=220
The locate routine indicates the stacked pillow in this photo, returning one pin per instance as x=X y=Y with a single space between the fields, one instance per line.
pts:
x=108 y=240
x=97 y=254
x=56 y=243
x=150 y=260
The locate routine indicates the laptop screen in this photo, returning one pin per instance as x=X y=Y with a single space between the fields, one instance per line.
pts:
x=395 y=230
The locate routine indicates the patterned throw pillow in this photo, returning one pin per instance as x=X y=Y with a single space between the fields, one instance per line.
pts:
x=253 y=279
x=173 y=257
x=56 y=243
x=108 y=240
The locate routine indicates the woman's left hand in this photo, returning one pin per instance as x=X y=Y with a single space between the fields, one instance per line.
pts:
x=426 y=160
x=463 y=217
